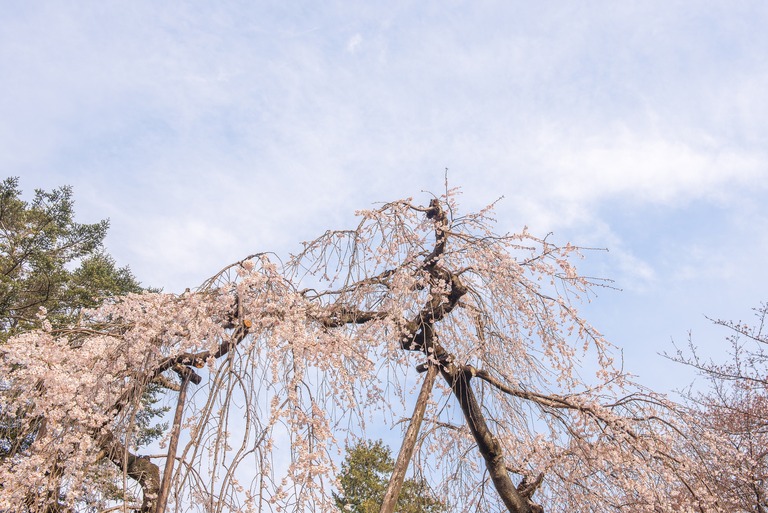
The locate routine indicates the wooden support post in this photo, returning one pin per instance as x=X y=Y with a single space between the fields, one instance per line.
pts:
x=409 y=442
x=162 y=499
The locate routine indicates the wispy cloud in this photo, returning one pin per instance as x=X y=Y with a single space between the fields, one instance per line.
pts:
x=206 y=131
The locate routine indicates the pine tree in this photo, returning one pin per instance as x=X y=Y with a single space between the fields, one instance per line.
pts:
x=49 y=261
x=53 y=265
x=364 y=476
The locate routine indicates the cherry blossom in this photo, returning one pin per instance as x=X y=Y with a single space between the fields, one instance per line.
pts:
x=275 y=365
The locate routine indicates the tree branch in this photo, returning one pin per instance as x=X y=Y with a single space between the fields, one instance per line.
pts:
x=487 y=444
x=139 y=468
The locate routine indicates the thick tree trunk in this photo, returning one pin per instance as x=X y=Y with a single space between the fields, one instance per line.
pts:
x=409 y=442
x=418 y=335
x=140 y=469
x=488 y=445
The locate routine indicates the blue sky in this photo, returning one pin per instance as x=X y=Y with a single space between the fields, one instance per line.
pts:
x=206 y=131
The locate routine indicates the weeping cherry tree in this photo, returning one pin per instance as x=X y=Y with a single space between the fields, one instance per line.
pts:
x=272 y=367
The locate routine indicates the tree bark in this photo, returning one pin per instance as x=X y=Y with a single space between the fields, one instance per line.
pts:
x=409 y=442
x=185 y=374
x=418 y=334
x=488 y=445
x=140 y=469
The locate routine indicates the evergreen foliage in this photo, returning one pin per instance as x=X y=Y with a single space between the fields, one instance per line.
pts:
x=48 y=260
x=364 y=476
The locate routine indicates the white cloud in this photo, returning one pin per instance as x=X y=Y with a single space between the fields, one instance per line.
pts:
x=354 y=43
x=207 y=131
x=650 y=168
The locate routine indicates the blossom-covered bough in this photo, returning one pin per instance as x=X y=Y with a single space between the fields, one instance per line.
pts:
x=274 y=366
x=734 y=407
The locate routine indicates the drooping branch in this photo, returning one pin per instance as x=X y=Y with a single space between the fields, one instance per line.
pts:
x=409 y=279
x=423 y=339
x=343 y=315
x=417 y=334
x=197 y=359
x=140 y=469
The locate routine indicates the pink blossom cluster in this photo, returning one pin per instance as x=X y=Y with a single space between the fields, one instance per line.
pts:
x=294 y=359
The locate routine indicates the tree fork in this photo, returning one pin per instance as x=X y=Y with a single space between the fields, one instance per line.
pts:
x=139 y=468
x=458 y=378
